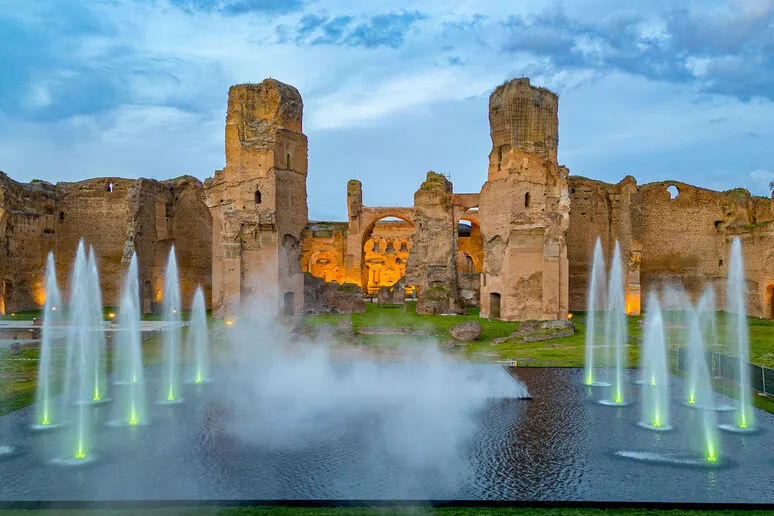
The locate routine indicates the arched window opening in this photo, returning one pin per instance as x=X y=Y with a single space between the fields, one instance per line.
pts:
x=109 y=187
x=673 y=191
x=526 y=200
x=61 y=216
x=257 y=197
x=463 y=229
x=388 y=236
x=287 y=161
x=465 y=262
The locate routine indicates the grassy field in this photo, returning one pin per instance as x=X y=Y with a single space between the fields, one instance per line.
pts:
x=367 y=511
x=18 y=373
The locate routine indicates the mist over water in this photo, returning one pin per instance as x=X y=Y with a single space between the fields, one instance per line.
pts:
x=292 y=393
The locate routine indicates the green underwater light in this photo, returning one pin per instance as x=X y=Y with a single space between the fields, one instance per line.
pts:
x=198 y=377
x=653 y=381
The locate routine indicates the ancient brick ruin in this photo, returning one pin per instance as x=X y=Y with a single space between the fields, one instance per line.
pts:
x=118 y=217
x=258 y=202
x=520 y=248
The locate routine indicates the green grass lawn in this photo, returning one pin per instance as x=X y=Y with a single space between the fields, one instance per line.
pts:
x=436 y=325
x=18 y=373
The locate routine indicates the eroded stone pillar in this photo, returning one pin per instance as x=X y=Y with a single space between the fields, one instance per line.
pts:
x=258 y=201
x=524 y=208
x=432 y=262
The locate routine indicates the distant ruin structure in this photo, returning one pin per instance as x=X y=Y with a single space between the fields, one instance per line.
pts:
x=117 y=217
x=525 y=208
x=258 y=201
x=519 y=249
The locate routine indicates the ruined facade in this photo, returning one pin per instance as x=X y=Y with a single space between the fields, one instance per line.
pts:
x=117 y=217
x=258 y=201
x=671 y=234
x=520 y=248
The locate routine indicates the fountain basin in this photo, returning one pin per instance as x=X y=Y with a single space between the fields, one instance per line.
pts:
x=735 y=429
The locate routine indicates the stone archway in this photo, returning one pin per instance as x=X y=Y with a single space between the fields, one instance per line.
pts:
x=385 y=250
x=361 y=228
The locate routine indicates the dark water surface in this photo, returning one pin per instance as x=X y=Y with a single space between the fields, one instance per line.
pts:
x=558 y=446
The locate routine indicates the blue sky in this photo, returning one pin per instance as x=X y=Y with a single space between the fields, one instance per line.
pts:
x=137 y=88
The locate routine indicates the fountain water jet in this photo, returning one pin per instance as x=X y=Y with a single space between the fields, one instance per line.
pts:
x=172 y=334
x=97 y=341
x=740 y=336
x=704 y=313
x=702 y=396
x=198 y=340
x=615 y=329
x=594 y=305
x=46 y=415
x=131 y=408
x=80 y=364
x=655 y=373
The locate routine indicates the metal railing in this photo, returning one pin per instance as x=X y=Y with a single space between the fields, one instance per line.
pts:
x=723 y=366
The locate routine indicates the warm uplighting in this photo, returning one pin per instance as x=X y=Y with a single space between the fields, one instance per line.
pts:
x=229 y=322
x=111 y=315
x=13 y=315
x=53 y=308
x=569 y=316
x=174 y=311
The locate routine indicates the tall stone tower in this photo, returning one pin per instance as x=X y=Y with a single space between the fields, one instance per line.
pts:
x=258 y=201
x=524 y=208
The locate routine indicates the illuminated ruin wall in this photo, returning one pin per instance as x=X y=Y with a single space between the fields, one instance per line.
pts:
x=386 y=252
x=681 y=240
x=117 y=216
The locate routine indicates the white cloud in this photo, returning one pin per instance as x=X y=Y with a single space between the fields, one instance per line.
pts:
x=760 y=180
x=173 y=69
x=357 y=106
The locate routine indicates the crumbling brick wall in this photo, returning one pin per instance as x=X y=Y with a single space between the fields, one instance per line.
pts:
x=117 y=217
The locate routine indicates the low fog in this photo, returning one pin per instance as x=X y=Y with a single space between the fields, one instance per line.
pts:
x=416 y=411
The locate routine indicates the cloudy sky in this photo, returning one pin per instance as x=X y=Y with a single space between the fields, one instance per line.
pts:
x=137 y=88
